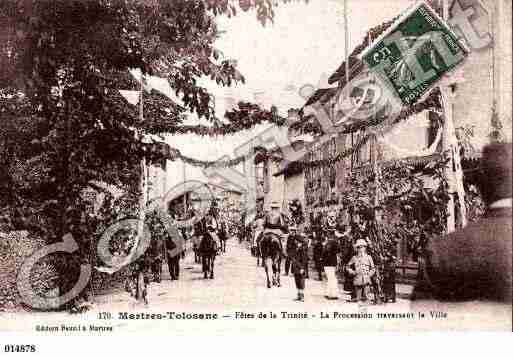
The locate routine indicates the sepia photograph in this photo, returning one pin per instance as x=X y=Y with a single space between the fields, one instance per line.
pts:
x=254 y=166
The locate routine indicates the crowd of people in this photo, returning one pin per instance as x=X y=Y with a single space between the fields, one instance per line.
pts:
x=206 y=238
x=337 y=253
x=362 y=252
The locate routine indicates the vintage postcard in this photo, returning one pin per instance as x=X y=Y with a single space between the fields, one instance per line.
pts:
x=254 y=166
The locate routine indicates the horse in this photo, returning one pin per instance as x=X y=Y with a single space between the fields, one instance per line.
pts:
x=256 y=247
x=198 y=232
x=223 y=236
x=196 y=240
x=208 y=249
x=271 y=250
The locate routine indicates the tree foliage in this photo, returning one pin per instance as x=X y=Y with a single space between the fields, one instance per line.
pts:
x=410 y=206
x=62 y=63
x=65 y=125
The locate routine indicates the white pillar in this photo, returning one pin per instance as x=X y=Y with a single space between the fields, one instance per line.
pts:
x=453 y=173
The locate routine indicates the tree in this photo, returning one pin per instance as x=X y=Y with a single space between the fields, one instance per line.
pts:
x=61 y=65
x=410 y=207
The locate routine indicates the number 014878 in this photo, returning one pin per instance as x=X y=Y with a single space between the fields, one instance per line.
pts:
x=19 y=348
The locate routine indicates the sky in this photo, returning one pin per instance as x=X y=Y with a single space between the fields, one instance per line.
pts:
x=304 y=46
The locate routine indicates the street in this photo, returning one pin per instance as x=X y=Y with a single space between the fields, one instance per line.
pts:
x=238 y=285
x=239 y=294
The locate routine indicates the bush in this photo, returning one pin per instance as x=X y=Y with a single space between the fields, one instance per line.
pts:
x=15 y=248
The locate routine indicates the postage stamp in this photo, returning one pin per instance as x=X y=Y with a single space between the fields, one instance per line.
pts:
x=242 y=166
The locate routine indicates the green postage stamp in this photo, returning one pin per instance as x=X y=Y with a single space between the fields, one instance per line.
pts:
x=415 y=53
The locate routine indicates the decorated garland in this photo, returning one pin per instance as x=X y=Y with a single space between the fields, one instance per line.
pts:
x=250 y=115
x=259 y=151
x=431 y=101
x=212 y=164
x=247 y=116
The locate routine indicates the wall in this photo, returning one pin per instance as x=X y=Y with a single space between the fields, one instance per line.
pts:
x=487 y=73
x=406 y=138
x=275 y=187
x=294 y=188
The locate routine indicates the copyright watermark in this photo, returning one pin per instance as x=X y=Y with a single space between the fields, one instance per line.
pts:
x=403 y=67
x=395 y=74
x=113 y=261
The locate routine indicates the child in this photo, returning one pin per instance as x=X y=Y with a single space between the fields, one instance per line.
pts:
x=299 y=261
x=361 y=267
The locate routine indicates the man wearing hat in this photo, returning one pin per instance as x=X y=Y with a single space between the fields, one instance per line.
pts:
x=297 y=256
x=361 y=267
x=290 y=247
x=275 y=223
x=475 y=263
x=208 y=248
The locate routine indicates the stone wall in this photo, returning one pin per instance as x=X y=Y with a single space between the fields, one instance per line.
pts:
x=487 y=72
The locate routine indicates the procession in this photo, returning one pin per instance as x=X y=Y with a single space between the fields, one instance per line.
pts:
x=245 y=156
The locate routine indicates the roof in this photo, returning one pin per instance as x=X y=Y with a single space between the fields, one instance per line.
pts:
x=371 y=35
x=275 y=151
x=468 y=163
x=225 y=187
x=355 y=66
x=322 y=95
x=290 y=168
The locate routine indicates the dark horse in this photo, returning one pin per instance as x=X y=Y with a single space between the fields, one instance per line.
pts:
x=208 y=250
x=257 y=249
x=271 y=250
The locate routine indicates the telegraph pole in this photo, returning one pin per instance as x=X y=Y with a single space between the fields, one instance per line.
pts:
x=454 y=173
x=143 y=182
x=346 y=42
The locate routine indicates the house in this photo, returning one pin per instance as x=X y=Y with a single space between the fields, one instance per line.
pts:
x=483 y=81
x=293 y=184
x=274 y=183
x=481 y=86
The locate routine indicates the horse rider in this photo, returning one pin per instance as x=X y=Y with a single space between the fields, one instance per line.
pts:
x=213 y=224
x=259 y=230
x=223 y=235
x=274 y=223
x=208 y=249
x=198 y=229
